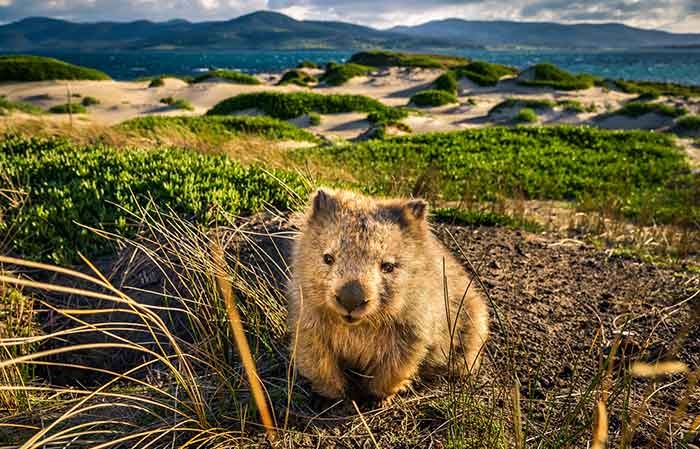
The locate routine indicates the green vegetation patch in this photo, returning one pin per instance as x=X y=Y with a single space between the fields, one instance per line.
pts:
x=688 y=125
x=638 y=108
x=641 y=175
x=519 y=103
x=339 y=74
x=68 y=108
x=9 y=106
x=231 y=76
x=314 y=119
x=549 y=75
x=90 y=101
x=177 y=103
x=39 y=68
x=298 y=77
x=526 y=115
x=380 y=58
x=575 y=106
x=156 y=82
x=219 y=127
x=657 y=89
x=306 y=64
x=446 y=82
x=427 y=98
x=98 y=186
x=484 y=73
x=291 y=105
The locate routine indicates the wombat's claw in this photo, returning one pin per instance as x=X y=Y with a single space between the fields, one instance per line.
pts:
x=387 y=401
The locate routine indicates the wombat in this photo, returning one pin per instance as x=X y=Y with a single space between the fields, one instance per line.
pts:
x=367 y=294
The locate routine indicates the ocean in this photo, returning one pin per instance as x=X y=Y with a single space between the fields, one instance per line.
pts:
x=679 y=66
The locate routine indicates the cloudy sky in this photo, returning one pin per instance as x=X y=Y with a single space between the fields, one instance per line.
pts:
x=672 y=15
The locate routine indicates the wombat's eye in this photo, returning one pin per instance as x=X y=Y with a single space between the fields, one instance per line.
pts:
x=387 y=267
x=328 y=259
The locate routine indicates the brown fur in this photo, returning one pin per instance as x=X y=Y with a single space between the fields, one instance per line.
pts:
x=403 y=325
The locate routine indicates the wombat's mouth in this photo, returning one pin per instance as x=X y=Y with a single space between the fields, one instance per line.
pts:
x=351 y=319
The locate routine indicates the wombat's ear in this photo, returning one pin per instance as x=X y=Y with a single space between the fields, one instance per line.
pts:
x=323 y=203
x=415 y=210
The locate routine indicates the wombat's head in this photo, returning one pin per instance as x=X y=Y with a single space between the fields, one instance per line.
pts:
x=353 y=255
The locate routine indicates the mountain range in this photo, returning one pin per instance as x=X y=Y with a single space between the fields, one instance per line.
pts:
x=275 y=31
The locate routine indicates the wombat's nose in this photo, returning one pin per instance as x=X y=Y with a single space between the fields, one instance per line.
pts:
x=351 y=296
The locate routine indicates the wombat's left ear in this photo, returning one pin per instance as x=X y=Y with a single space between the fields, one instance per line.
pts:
x=415 y=209
x=323 y=203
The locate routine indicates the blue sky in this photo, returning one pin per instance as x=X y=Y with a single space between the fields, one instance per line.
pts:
x=672 y=15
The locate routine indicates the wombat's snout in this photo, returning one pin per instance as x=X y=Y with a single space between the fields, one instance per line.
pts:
x=351 y=296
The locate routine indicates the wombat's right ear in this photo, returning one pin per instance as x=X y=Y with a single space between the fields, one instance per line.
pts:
x=323 y=203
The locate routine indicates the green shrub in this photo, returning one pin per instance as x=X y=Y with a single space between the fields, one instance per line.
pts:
x=549 y=75
x=9 y=106
x=526 y=115
x=433 y=98
x=574 y=106
x=218 y=127
x=689 y=124
x=178 y=103
x=641 y=175
x=90 y=101
x=314 y=119
x=291 y=105
x=232 y=76
x=98 y=186
x=306 y=64
x=531 y=103
x=380 y=58
x=298 y=77
x=484 y=73
x=156 y=82
x=73 y=108
x=656 y=89
x=39 y=68
x=338 y=74
x=446 y=82
x=637 y=109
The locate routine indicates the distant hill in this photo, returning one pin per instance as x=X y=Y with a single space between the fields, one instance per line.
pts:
x=545 y=34
x=259 y=30
x=274 y=31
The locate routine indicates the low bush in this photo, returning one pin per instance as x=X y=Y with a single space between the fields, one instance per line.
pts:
x=446 y=82
x=231 y=76
x=9 y=106
x=72 y=108
x=314 y=119
x=218 y=127
x=338 y=74
x=637 y=109
x=427 y=98
x=656 y=89
x=39 y=68
x=89 y=101
x=291 y=105
x=98 y=187
x=689 y=124
x=298 y=77
x=484 y=73
x=381 y=58
x=177 y=103
x=156 y=82
x=549 y=75
x=531 y=103
x=642 y=175
x=526 y=115
x=306 y=64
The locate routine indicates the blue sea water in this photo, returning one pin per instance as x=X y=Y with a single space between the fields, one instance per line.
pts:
x=680 y=66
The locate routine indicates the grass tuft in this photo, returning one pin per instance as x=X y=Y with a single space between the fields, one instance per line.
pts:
x=73 y=108
x=39 y=68
x=231 y=76
x=9 y=106
x=383 y=58
x=339 y=74
x=484 y=73
x=549 y=75
x=429 y=98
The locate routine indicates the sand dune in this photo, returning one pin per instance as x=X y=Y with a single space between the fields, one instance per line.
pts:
x=121 y=101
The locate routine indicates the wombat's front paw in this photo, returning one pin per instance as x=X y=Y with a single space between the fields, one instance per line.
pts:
x=387 y=392
x=334 y=390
